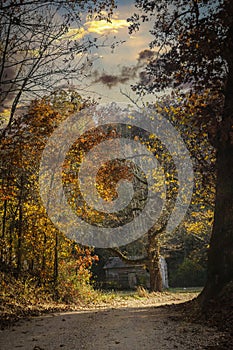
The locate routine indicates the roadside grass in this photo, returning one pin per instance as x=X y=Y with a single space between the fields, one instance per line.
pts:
x=20 y=299
x=109 y=296
x=185 y=290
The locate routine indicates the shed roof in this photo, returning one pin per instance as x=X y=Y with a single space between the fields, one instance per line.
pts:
x=116 y=262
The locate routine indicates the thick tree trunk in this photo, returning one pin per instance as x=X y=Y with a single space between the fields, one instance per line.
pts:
x=156 y=284
x=220 y=259
x=153 y=252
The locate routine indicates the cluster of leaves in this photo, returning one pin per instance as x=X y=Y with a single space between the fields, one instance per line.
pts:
x=30 y=245
x=191 y=40
x=194 y=45
x=183 y=112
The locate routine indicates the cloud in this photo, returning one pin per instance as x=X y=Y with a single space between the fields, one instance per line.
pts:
x=108 y=79
x=126 y=73
x=95 y=27
x=146 y=55
x=102 y=27
x=74 y=34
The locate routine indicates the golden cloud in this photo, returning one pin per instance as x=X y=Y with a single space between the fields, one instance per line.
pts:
x=98 y=27
x=74 y=34
x=101 y=27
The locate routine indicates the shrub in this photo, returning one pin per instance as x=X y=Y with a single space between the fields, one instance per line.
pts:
x=188 y=274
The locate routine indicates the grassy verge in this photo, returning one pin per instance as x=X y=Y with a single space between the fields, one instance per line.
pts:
x=24 y=298
x=185 y=290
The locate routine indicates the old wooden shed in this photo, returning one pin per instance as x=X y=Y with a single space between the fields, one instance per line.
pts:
x=121 y=275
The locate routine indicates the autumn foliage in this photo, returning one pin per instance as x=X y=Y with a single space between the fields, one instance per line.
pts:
x=31 y=248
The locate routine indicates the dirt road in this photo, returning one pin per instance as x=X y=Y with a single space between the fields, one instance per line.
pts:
x=129 y=326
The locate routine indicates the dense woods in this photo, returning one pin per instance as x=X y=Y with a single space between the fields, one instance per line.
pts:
x=38 y=50
x=31 y=247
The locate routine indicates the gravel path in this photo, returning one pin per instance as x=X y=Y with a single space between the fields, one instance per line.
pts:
x=132 y=326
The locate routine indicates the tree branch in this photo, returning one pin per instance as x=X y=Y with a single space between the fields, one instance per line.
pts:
x=123 y=257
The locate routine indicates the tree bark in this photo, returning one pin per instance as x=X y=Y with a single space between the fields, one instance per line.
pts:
x=55 y=273
x=153 y=251
x=220 y=258
x=20 y=230
x=3 y=229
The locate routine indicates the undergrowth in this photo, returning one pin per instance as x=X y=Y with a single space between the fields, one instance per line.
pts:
x=20 y=297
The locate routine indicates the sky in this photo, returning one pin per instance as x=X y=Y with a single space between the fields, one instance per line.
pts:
x=115 y=70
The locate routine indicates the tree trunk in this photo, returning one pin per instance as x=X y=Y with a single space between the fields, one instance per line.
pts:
x=220 y=258
x=55 y=270
x=11 y=244
x=20 y=235
x=3 y=230
x=156 y=284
